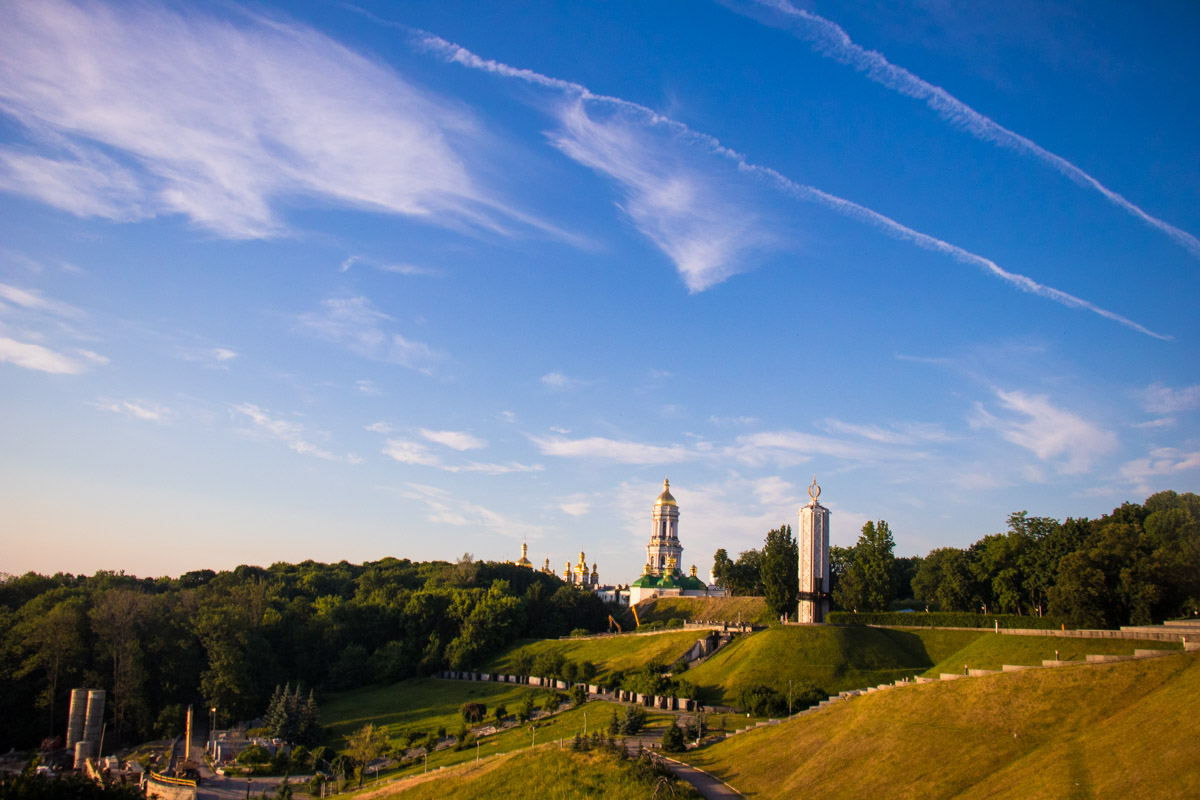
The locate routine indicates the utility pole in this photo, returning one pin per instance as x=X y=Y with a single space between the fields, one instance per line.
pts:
x=789 y=697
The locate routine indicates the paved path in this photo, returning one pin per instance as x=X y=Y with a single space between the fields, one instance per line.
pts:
x=708 y=785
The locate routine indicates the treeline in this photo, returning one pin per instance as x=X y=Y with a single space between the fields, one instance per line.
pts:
x=227 y=639
x=1138 y=565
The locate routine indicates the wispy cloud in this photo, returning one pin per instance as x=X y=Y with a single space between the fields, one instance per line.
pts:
x=38 y=358
x=385 y=266
x=357 y=324
x=621 y=452
x=1161 y=399
x=1162 y=461
x=33 y=300
x=559 y=381
x=1055 y=435
x=291 y=433
x=446 y=508
x=134 y=110
x=210 y=356
x=900 y=433
x=407 y=451
x=455 y=440
x=828 y=39
x=140 y=409
x=367 y=386
x=692 y=217
x=771 y=177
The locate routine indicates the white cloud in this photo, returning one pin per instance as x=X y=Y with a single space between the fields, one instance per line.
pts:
x=33 y=300
x=1161 y=422
x=601 y=148
x=1161 y=399
x=1160 y=461
x=141 y=409
x=380 y=427
x=368 y=387
x=394 y=268
x=622 y=452
x=830 y=40
x=1050 y=433
x=212 y=356
x=138 y=110
x=357 y=324
x=901 y=433
x=409 y=452
x=560 y=382
x=36 y=357
x=455 y=440
x=447 y=509
x=692 y=217
x=788 y=448
x=576 y=505
x=292 y=434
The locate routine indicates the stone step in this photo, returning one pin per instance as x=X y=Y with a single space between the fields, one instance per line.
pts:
x=1106 y=659
x=1052 y=663
x=951 y=676
x=1183 y=623
x=975 y=673
x=925 y=680
x=1139 y=653
x=1191 y=647
x=1014 y=667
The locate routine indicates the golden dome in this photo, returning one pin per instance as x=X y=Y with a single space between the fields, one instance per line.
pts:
x=524 y=561
x=665 y=499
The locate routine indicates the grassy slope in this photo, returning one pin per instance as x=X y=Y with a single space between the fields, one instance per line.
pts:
x=1112 y=730
x=991 y=651
x=421 y=703
x=607 y=653
x=548 y=774
x=832 y=658
x=751 y=610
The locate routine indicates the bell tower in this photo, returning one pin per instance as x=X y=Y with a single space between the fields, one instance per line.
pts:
x=814 y=558
x=664 y=547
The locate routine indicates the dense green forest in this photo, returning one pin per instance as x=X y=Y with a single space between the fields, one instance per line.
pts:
x=1138 y=565
x=227 y=639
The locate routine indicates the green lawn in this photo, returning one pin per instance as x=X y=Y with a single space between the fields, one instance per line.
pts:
x=992 y=650
x=608 y=653
x=546 y=773
x=1091 y=731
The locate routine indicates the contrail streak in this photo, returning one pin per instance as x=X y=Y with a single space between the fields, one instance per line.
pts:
x=828 y=39
x=460 y=55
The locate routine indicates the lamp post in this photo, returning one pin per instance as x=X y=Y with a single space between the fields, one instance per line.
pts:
x=585 y=724
x=533 y=741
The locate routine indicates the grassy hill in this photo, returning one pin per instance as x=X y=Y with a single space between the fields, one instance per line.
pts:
x=991 y=651
x=832 y=658
x=608 y=653
x=545 y=773
x=751 y=610
x=1109 y=730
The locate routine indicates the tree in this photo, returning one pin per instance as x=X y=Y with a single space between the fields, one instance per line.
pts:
x=54 y=644
x=722 y=568
x=944 y=580
x=473 y=712
x=779 y=571
x=672 y=740
x=868 y=582
x=365 y=745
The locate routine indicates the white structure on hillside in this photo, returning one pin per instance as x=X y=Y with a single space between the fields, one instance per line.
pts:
x=814 y=558
x=662 y=577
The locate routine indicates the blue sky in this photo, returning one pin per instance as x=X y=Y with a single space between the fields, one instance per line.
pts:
x=344 y=281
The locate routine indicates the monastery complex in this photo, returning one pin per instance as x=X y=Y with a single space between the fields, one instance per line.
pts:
x=662 y=576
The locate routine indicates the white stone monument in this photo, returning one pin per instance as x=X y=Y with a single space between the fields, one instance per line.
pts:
x=814 y=558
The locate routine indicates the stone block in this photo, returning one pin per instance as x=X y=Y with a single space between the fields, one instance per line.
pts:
x=950 y=676
x=975 y=673
x=1014 y=667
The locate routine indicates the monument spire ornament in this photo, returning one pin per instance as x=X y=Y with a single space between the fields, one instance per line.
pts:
x=813 y=543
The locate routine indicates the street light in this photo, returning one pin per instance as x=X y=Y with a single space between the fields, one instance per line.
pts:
x=585 y=724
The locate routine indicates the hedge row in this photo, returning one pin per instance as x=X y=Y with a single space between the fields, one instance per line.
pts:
x=943 y=619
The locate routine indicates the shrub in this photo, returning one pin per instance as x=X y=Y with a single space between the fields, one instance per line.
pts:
x=762 y=701
x=577 y=632
x=254 y=754
x=525 y=710
x=473 y=712
x=675 y=622
x=500 y=713
x=634 y=720
x=579 y=694
x=552 y=702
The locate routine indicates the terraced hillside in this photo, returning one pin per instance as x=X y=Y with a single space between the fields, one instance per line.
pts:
x=831 y=658
x=1126 y=729
x=991 y=651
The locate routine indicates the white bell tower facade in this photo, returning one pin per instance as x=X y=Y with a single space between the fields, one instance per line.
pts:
x=664 y=552
x=814 y=558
